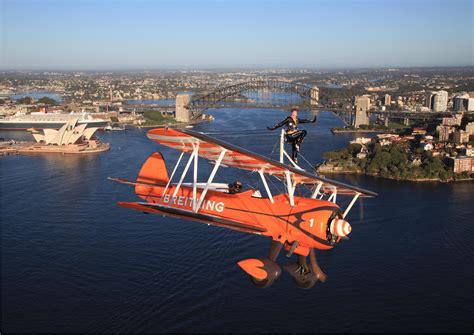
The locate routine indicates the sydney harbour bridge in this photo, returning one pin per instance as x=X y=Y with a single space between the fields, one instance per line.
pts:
x=188 y=109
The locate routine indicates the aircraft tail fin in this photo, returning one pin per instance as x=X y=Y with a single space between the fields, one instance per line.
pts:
x=154 y=170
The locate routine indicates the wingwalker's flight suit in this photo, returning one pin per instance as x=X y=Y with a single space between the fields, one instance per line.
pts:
x=293 y=135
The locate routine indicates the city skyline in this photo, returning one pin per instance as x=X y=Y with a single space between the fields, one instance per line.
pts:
x=121 y=35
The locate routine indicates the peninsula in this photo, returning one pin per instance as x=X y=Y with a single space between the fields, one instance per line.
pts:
x=416 y=156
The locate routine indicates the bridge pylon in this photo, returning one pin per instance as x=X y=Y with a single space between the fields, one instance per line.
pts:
x=314 y=96
x=182 y=113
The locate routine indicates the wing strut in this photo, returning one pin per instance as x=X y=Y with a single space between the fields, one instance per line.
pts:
x=196 y=148
x=211 y=178
x=333 y=195
x=172 y=174
x=316 y=190
x=186 y=168
x=350 y=205
x=264 y=181
x=290 y=187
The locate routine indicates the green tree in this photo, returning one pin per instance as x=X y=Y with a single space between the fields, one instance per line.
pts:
x=24 y=101
x=331 y=156
x=354 y=149
x=48 y=101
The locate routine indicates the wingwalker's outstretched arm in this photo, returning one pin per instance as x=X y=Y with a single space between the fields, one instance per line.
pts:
x=280 y=124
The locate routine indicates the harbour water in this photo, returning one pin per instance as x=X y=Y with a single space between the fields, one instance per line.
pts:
x=38 y=95
x=74 y=261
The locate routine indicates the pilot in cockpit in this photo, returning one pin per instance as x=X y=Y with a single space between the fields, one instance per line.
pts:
x=235 y=187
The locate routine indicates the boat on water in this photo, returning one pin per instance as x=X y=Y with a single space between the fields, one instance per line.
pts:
x=114 y=127
x=46 y=120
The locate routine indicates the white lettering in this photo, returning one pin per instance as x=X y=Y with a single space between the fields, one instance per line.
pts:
x=220 y=206
x=188 y=201
x=211 y=205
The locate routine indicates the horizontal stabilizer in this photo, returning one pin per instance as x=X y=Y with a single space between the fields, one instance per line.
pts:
x=135 y=183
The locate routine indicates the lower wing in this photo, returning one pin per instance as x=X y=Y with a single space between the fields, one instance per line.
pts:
x=189 y=215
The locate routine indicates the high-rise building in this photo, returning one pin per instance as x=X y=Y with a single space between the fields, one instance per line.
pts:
x=400 y=101
x=461 y=136
x=460 y=102
x=362 y=105
x=440 y=101
x=387 y=100
x=429 y=100
x=470 y=102
x=444 y=132
x=462 y=164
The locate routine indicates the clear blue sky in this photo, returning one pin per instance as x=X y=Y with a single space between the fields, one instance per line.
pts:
x=112 y=34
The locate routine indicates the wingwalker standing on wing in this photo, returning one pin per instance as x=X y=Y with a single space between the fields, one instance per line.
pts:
x=303 y=218
x=293 y=135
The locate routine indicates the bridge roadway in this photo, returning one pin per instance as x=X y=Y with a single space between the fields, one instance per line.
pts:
x=391 y=114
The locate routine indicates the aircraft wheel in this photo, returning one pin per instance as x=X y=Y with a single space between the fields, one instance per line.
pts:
x=262 y=283
x=306 y=283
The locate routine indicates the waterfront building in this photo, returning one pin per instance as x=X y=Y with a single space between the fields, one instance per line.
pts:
x=452 y=121
x=422 y=109
x=418 y=131
x=461 y=136
x=70 y=133
x=361 y=140
x=362 y=105
x=440 y=101
x=468 y=152
x=444 y=132
x=470 y=128
x=387 y=100
x=461 y=164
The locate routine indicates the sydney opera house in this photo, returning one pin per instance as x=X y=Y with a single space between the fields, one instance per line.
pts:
x=70 y=133
x=70 y=138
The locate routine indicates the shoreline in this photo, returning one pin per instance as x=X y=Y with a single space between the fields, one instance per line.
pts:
x=378 y=131
x=325 y=170
x=37 y=148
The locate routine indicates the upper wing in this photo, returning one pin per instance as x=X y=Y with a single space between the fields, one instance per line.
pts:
x=208 y=147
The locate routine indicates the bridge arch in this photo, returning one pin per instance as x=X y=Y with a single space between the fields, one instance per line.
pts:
x=192 y=109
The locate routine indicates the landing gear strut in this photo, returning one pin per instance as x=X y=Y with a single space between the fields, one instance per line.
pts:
x=306 y=275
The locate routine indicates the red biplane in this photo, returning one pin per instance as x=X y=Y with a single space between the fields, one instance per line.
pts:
x=299 y=224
